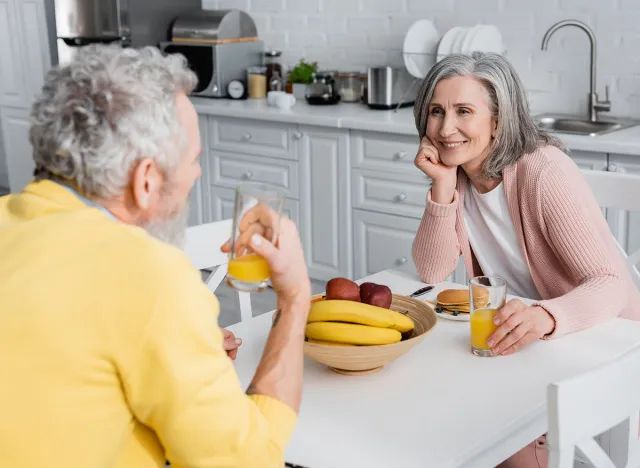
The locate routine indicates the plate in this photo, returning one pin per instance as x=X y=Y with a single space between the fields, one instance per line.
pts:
x=487 y=38
x=420 y=48
x=459 y=40
x=446 y=43
x=463 y=317
x=468 y=40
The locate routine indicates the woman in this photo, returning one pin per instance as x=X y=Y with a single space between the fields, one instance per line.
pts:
x=506 y=197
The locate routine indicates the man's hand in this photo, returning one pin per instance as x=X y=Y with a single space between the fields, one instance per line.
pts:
x=231 y=343
x=519 y=325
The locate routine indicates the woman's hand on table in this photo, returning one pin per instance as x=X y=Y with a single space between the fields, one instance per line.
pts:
x=518 y=326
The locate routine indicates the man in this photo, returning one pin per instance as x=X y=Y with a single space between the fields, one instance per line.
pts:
x=110 y=351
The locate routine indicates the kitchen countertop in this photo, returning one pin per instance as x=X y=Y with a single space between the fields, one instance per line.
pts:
x=356 y=116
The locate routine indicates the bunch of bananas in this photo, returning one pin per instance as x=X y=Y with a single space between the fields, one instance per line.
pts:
x=349 y=323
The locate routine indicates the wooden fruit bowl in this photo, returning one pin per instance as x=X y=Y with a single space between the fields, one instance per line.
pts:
x=361 y=360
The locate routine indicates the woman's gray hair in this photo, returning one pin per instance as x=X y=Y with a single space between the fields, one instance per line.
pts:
x=107 y=109
x=517 y=133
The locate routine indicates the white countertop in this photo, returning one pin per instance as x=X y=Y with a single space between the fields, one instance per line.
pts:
x=357 y=116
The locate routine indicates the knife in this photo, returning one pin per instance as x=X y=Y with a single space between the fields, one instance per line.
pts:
x=422 y=291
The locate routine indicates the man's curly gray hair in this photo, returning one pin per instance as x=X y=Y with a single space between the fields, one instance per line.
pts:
x=107 y=109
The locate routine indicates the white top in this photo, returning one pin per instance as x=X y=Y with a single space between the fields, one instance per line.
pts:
x=494 y=240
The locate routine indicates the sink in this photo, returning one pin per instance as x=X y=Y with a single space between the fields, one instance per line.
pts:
x=580 y=126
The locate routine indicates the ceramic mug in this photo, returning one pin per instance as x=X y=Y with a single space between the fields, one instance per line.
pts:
x=280 y=99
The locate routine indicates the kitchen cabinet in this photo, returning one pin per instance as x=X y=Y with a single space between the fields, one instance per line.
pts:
x=18 y=153
x=356 y=195
x=200 y=199
x=310 y=164
x=625 y=225
x=24 y=61
x=24 y=51
x=325 y=201
x=223 y=200
x=383 y=241
x=12 y=89
x=34 y=40
x=589 y=160
x=4 y=174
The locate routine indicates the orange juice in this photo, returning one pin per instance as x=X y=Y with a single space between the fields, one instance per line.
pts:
x=482 y=327
x=250 y=268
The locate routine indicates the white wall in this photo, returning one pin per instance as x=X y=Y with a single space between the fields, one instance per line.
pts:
x=351 y=34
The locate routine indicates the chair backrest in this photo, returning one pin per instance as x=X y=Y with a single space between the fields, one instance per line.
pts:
x=618 y=191
x=584 y=406
x=202 y=246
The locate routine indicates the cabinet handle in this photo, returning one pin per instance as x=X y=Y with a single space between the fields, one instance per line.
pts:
x=297 y=135
x=402 y=197
x=247 y=175
x=400 y=155
x=402 y=261
x=246 y=137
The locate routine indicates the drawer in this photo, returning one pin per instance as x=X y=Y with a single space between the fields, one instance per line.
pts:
x=230 y=169
x=223 y=200
x=384 y=151
x=253 y=137
x=382 y=242
x=389 y=192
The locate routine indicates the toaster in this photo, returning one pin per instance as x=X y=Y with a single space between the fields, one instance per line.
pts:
x=391 y=87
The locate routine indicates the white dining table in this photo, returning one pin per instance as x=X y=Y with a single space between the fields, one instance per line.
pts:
x=438 y=405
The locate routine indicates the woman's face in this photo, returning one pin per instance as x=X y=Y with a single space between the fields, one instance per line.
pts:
x=460 y=123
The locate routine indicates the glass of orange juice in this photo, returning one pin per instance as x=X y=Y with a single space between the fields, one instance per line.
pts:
x=487 y=295
x=247 y=271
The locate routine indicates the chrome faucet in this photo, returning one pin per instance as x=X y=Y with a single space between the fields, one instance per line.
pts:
x=595 y=106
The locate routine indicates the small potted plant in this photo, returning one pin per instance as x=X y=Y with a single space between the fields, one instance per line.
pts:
x=300 y=76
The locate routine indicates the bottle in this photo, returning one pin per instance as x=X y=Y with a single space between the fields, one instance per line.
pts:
x=272 y=61
x=275 y=84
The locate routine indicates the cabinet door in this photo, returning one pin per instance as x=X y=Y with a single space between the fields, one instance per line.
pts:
x=382 y=242
x=325 y=201
x=4 y=173
x=12 y=88
x=625 y=225
x=17 y=149
x=223 y=200
x=199 y=202
x=34 y=41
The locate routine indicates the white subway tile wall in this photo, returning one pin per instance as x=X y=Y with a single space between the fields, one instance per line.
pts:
x=353 y=34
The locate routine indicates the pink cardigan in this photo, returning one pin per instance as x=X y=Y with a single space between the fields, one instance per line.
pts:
x=574 y=262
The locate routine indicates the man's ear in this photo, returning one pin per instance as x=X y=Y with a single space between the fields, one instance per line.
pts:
x=146 y=183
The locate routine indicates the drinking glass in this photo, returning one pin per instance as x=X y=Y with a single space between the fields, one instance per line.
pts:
x=247 y=271
x=487 y=295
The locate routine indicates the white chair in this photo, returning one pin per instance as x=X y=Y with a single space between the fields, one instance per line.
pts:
x=584 y=406
x=202 y=246
x=619 y=191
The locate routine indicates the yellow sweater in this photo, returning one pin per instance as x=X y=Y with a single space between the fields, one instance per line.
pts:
x=110 y=352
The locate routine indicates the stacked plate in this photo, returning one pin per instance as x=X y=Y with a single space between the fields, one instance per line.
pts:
x=420 y=48
x=480 y=38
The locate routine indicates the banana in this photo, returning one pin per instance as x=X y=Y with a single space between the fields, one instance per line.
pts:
x=350 y=311
x=353 y=334
x=404 y=323
x=359 y=313
x=330 y=343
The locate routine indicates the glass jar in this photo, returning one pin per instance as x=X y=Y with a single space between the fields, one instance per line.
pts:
x=275 y=78
x=257 y=82
x=350 y=86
